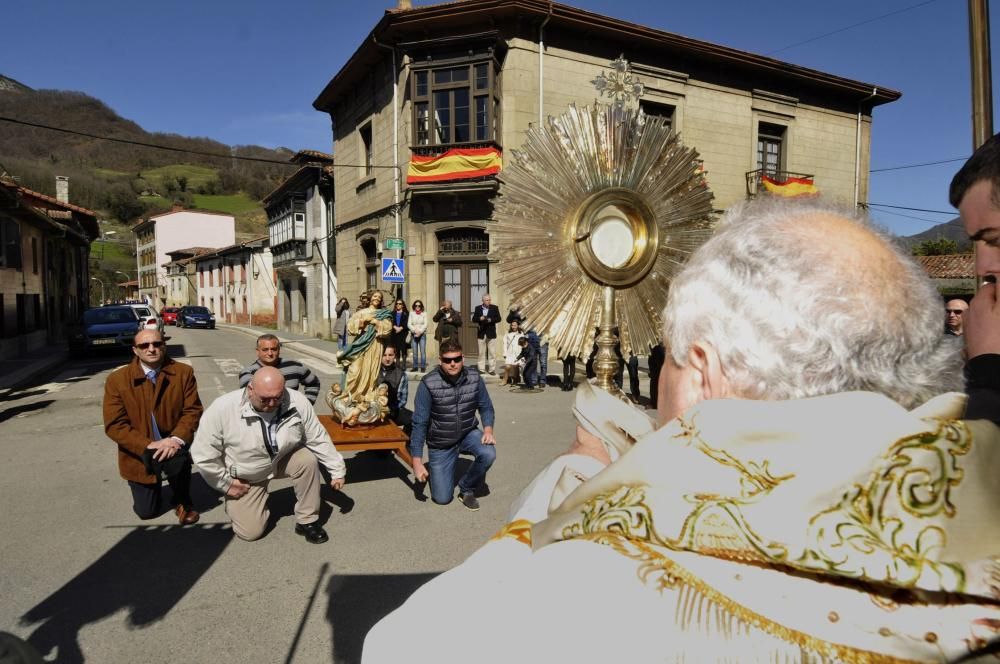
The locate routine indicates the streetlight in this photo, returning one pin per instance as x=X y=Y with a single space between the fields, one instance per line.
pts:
x=102 y=288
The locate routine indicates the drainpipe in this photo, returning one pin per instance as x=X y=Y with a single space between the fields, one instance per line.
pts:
x=857 y=151
x=541 y=67
x=395 y=148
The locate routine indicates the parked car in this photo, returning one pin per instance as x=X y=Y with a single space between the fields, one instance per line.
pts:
x=150 y=319
x=104 y=327
x=196 y=317
x=169 y=315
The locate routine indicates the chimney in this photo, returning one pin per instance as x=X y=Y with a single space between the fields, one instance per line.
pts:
x=62 y=189
x=405 y=4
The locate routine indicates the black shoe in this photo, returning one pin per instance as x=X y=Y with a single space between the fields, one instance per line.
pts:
x=468 y=499
x=313 y=533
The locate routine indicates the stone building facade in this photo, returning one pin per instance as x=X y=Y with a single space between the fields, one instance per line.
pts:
x=236 y=283
x=300 y=231
x=467 y=79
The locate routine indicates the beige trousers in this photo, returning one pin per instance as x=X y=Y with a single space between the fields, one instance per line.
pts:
x=487 y=360
x=249 y=514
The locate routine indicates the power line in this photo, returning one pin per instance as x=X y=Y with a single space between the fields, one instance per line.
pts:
x=143 y=144
x=929 y=163
x=912 y=209
x=853 y=25
x=908 y=216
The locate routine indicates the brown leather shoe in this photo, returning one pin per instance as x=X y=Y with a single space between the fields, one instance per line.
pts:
x=186 y=516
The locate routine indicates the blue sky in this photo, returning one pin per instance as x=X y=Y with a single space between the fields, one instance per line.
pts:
x=247 y=71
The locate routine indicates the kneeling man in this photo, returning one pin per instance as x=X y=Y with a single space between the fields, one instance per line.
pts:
x=265 y=431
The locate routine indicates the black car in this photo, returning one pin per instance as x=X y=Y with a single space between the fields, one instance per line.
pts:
x=196 y=317
x=104 y=327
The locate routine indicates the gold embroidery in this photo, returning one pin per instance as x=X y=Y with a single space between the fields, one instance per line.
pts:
x=519 y=530
x=868 y=535
x=701 y=605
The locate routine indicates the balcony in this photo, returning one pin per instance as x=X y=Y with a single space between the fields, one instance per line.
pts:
x=801 y=181
x=454 y=162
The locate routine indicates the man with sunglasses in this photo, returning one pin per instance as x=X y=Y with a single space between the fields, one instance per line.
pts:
x=954 y=310
x=444 y=416
x=151 y=410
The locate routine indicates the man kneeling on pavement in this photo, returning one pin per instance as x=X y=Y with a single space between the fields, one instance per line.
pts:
x=265 y=431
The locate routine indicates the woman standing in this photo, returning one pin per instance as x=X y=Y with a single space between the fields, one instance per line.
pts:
x=511 y=349
x=418 y=337
x=400 y=318
x=343 y=311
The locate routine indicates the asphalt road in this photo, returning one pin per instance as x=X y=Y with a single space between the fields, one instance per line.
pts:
x=83 y=579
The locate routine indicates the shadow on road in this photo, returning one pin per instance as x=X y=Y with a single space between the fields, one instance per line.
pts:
x=357 y=602
x=147 y=573
x=14 y=411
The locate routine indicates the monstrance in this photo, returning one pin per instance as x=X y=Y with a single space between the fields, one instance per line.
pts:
x=596 y=212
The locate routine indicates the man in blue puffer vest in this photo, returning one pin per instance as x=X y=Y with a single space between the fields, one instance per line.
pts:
x=444 y=416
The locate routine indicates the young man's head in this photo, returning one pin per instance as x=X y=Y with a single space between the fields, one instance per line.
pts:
x=954 y=312
x=149 y=347
x=388 y=356
x=266 y=389
x=451 y=357
x=975 y=191
x=522 y=342
x=268 y=350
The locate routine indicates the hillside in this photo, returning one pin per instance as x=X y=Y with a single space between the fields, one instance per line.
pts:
x=121 y=181
x=950 y=230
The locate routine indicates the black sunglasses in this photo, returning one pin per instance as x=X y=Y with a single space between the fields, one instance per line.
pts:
x=451 y=360
x=150 y=344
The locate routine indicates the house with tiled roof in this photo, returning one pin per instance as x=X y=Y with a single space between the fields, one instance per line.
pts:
x=237 y=282
x=428 y=107
x=45 y=278
x=160 y=234
x=300 y=229
x=953 y=274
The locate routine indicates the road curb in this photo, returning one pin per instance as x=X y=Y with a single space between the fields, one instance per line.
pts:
x=298 y=345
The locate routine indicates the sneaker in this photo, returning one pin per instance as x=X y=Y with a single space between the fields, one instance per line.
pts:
x=313 y=532
x=469 y=500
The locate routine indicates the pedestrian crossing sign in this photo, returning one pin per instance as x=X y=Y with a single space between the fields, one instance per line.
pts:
x=392 y=270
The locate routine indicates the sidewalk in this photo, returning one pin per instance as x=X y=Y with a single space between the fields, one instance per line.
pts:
x=17 y=371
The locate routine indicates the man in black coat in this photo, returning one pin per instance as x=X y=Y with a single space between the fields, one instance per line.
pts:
x=486 y=318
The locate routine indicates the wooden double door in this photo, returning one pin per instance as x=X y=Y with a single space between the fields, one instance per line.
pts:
x=464 y=283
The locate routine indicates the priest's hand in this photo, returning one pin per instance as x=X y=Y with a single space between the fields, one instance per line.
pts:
x=590 y=445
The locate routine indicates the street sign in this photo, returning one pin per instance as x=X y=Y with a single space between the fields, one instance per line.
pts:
x=395 y=243
x=393 y=270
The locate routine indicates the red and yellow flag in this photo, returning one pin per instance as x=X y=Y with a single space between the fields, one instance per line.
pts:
x=454 y=164
x=789 y=187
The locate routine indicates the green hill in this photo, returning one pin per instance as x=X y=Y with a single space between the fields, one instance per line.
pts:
x=126 y=182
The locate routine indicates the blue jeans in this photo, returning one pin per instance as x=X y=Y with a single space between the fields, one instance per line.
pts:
x=441 y=466
x=342 y=341
x=543 y=365
x=418 y=346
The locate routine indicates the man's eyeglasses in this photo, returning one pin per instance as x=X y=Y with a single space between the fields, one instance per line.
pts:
x=451 y=360
x=150 y=344
x=957 y=312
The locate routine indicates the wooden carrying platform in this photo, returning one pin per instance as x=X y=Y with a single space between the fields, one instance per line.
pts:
x=367 y=437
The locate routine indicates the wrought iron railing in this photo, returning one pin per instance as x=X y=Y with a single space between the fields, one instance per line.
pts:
x=754 y=179
x=435 y=150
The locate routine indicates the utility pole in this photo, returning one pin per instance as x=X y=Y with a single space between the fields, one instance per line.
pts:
x=982 y=89
x=102 y=288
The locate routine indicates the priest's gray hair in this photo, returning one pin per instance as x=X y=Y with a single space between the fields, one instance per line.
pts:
x=795 y=310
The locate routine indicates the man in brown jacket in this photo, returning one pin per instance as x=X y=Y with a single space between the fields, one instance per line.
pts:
x=151 y=410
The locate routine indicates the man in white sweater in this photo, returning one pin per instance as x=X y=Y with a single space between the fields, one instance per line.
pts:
x=265 y=431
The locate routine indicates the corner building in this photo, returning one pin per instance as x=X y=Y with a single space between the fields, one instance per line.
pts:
x=425 y=108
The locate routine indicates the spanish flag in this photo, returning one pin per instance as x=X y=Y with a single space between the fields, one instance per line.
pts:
x=454 y=164
x=790 y=187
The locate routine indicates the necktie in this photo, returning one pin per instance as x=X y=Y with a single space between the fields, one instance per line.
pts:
x=151 y=375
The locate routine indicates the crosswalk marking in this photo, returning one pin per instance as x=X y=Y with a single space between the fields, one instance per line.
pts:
x=229 y=366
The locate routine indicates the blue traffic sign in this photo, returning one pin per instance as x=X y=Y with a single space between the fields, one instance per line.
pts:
x=393 y=270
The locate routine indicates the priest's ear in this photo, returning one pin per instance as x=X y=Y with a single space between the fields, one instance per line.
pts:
x=699 y=379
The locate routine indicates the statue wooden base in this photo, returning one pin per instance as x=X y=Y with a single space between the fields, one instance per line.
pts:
x=386 y=436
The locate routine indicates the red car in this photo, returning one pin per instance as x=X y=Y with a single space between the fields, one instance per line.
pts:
x=169 y=315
